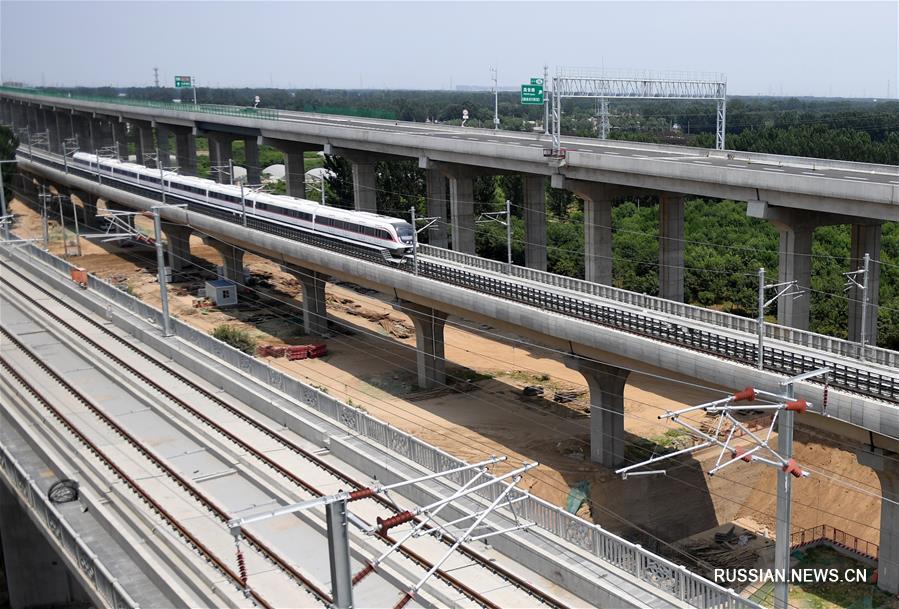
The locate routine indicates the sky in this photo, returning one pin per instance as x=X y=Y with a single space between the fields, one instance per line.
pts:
x=818 y=48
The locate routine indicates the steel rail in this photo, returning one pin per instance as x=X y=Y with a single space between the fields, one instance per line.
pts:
x=145 y=496
x=845 y=377
x=191 y=490
x=497 y=570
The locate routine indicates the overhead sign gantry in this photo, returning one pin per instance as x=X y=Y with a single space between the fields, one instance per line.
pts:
x=603 y=85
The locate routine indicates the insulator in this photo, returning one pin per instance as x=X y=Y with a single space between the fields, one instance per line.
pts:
x=739 y=453
x=793 y=469
x=747 y=394
x=388 y=523
x=242 y=568
x=362 y=493
x=799 y=406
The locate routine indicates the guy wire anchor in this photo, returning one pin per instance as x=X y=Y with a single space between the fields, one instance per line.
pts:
x=728 y=426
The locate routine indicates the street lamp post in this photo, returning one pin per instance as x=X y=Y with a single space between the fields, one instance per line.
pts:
x=495 y=99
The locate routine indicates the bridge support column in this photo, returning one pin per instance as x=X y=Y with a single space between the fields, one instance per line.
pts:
x=219 y=156
x=33 y=124
x=462 y=211
x=295 y=174
x=437 y=200
x=315 y=314
x=52 y=131
x=365 y=194
x=88 y=207
x=120 y=138
x=597 y=199
x=178 y=244
x=886 y=467
x=865 y=239
x=232 y=260
x=102 y=130
x=535 y=222
x=251 y=156
x=143 y=142
x=35 y=575
x=671 y=246
x=429 y=344
x=795 y=265
x=606 y=384
x=163 y=144
x=294 y=164
x=81 y=131
x=185 y=150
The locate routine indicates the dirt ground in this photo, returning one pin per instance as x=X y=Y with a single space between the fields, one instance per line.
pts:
x=371 y=363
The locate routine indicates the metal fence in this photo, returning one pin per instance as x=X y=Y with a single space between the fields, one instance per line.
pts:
x=222 y=110
x=68 y=541
x=824 y=533
x=608 y=547
x=843 y=348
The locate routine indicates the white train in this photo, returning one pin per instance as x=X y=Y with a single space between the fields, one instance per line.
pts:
x=383 y=232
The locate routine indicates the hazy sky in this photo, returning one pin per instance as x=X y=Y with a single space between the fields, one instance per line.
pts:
x=791 y=48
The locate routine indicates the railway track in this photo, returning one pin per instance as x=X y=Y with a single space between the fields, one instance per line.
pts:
x=223 y=420
x=846 y=377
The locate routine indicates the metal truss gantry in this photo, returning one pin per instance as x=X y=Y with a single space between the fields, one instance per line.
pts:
x=603 y=85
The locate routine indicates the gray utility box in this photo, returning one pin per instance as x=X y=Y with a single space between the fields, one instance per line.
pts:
x=221 y=292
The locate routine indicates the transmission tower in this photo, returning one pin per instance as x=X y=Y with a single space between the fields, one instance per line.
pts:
x=156 y=76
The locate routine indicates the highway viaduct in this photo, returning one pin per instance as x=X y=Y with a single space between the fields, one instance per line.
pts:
x=795 y=194
x=781 y=196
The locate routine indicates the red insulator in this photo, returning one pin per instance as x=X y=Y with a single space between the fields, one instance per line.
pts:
x=747 y=394
x=799 y=406
x=388 y=523
x=403 y=601
x=242 y=568
x=792 y=468
x=361 y=574
x=362 y=493
x=740 y=453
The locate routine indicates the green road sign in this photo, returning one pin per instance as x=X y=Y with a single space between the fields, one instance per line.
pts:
x=537 y=81
x=183 y=82
x=531 y=94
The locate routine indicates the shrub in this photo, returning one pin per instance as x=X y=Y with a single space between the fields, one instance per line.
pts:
x=237 y=338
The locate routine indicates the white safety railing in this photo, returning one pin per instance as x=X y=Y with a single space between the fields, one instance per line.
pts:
x=820 y=342
x=67 y=541
x=607 y=547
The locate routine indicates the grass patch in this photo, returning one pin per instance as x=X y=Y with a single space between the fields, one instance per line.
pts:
x=467 y=375
x=236 y=337
x=668 y=442
x=831 y=595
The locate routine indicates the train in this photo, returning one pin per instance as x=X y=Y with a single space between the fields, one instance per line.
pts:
x=361 y=228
